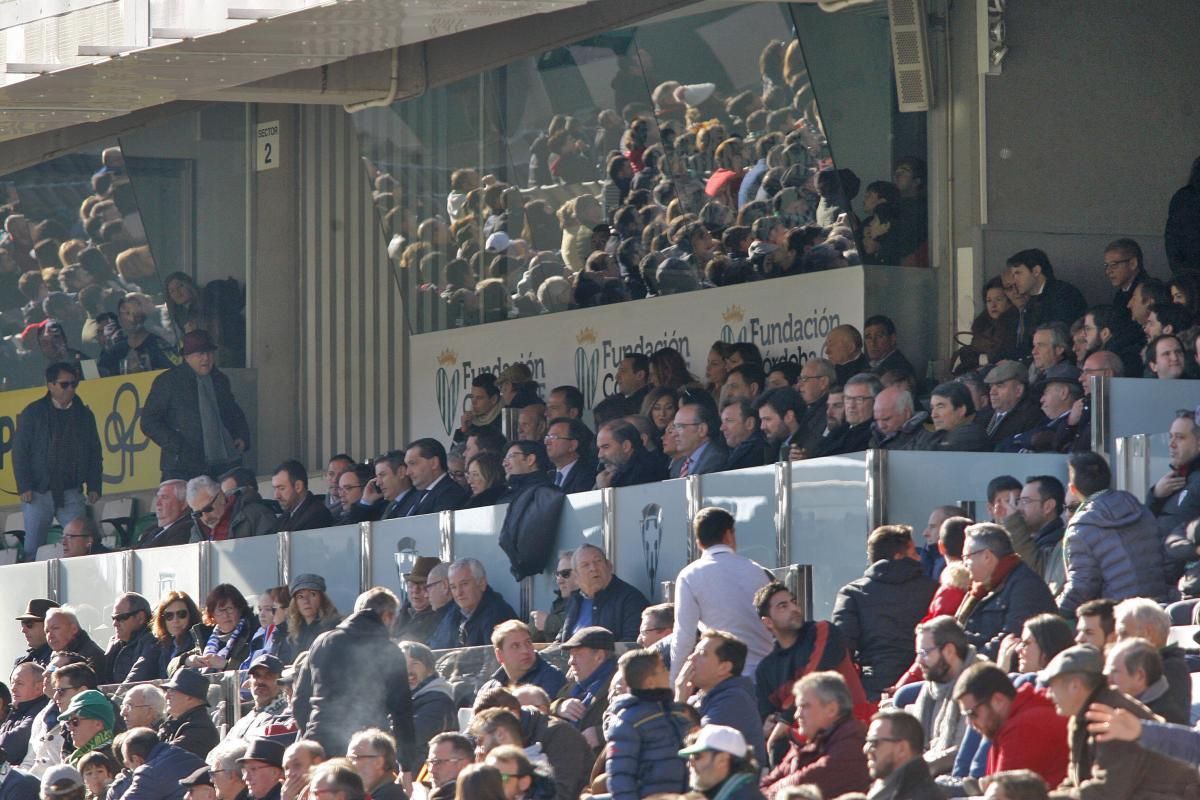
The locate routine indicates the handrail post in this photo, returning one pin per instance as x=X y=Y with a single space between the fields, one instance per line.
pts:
x=366 y=540
x=783 y=512
x=446 y=535
x=285 y=557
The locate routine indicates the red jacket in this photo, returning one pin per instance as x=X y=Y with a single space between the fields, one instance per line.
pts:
x=1033 y=737
x=832 y=760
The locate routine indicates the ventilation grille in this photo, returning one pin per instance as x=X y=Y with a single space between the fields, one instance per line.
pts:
x=910 y=54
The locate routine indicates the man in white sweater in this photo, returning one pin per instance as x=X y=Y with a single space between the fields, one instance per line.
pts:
x=716 y=592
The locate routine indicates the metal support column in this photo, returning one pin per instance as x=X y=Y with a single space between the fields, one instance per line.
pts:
x=783 y=513
x=366 y=543
x=1100 y=427
x=695 y=496
x=608 y=523
x=285 y=558
x=204 y=559
x=446 y=535
x=876 y=491
x=52 y=580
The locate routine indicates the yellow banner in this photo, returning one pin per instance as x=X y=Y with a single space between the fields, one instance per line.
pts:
x=130 y=459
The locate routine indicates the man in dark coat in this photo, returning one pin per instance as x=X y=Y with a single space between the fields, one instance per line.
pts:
x=331 y=700
x=534 y=506
x=567 y=444
x=302 y=510
x=56 y=456
x=425 y=460
x=157 y=767
x=27 y=702
x=895 y=743
x=173 y=516
x=602 y=598
x=1012 y=409
x=1174 y=499
x=418 y=619
x=33 y=628
x=877 y=613
x=218 y=516
x=519 y=661
x=740 y=427
x=64 y=633
x=1050 y=299
x=132 y=639
x=188 y=725
x=625 y=459
x=477 y=608
x=584 y=698
x=192 y=415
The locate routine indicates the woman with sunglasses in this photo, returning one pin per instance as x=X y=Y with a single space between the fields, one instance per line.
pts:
x=171 y=625
x=222 y=640
x=272 y=612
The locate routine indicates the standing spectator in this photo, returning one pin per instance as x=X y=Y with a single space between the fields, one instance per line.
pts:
x=1004 y=590
x=713 y=681
x=1075 y=680
x=894 y=744
x=876 y=613
x=1037 y=528
x=1182 y=233
x=56 y=454
x=716 y=592
x=721 y=765
x=192 y=415
x=1021 y=724
x=188 y=725
x=646 y=731
x=172 y=515
x=477 y=608
x=331 y=700
x=602 y=598
x=1112 y=545
x=1050 y=299
x=33 y=628
x=584 y=699
x=302 y=510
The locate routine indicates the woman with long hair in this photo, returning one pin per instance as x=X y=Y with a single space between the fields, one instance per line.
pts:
x=171 y=623
x=668 y=369
x=272 y=611
x=310 y=614
x=485 y=477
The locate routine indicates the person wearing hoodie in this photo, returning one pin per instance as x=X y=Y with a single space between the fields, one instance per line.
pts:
x=432 y=695
x=356 y=678
x=876 y=613
x=711 y=680
x=524 y=780
x=1111 y=545
x=645 y=729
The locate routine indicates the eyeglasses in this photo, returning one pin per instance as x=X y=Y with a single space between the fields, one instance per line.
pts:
x=224 y=611
x=1024 y=501
x=564 y=573
x=128 y=706
x=76 y=536
x=1114 y=264
x=437 y=762
x=355 y=757
x=123 y=617
x=73 y=722
x=352 y=487
x=681 y=425
x=61 y=690
x=66 y=384
x=553 y=437
x=206 y=510
x=182 y=613
x=973 y=553
x=652 y=630
x=873 y=741
x=924 y=652
x=253 y=768
x=972 y=712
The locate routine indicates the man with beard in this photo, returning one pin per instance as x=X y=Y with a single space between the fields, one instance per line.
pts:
x=893 y=749
x=719 y=764
x=779 y=414
x=943 y=652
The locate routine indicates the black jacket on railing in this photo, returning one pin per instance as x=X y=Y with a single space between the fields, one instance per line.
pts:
x=531 y=522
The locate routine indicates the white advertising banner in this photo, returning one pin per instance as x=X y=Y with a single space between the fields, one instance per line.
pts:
x=788 y=318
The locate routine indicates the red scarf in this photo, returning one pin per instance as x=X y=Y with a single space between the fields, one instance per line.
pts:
x=1003 y=568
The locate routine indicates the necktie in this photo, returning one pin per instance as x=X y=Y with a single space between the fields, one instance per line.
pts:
x=683 y=470
x=416 y=507
x=997 y=418
x=558 y=478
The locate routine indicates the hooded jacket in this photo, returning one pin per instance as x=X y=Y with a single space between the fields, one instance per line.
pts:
x=644 y=739
x=433 y=710
x=1033 y=737
x=355 y=678
x=876 y=615
x=1112 y=550
x=531 y=522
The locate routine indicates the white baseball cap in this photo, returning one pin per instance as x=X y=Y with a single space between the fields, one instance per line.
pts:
x=720 y=738
x=498 y=242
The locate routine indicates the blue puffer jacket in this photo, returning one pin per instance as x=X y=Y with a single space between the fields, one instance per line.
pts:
x=158 y=778
x=644 y=739
x=1113 y=550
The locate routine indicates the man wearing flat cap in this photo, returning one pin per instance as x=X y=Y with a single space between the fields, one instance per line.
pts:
x=1012 y=410
x=191 y=414
x=269 y=699
x=418 y=618
x=33 y=628
x=591 y=652
x=89 y=721
x=188 y=725
x=1112 y=770
x=262 y=768
x=199 y=785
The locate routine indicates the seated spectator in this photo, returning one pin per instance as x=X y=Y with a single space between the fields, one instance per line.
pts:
x=1134 y=667
x=781 y=416
x=172 y=623
x=485 y=408
x=943 y=653
x=310 y=613
x=418 y=619
x=477 y=608
x=432 y=695
x=876 y=612
x=1142 y=618
x=1051 y=346
x=645 y=725
x=602 y=599
x=1075 y=680
x=268 y=698
x=425 y=460
x=1042 y=638
x=64 y=634
x=1019 y=722
x=520 y=663
x=1050 y=299
x=844 y=349
x=624 y=459
x=1037 y=528
x=547 y=624
x=584 y=698
x=1167 y=318
x=655 y=633
x=567 y=443
x=449 y=754
x=817 y=378
x=272 y=613
x=1060 y=392
x=744 y=382
x=1112 y=546
x=144 y=706
x=720 y=764
x=527 y=778
x=302 y=510
x=1004 y=591
x=218 y=518
x=1145 y=295
x=1109 y=330
x=98 y=772
x=1095 y=624
x=952 y=412
x=372 y=752
x=222 y=640
x=853 y=435
x=712 y=681
x=895 y=426
x=88 y=719
x=353 y=508
x=1013 y=409
x=740 y=427
x=1004 y=491
x=564 y=401
x=33 y=628
x=894 y=746
x=782 y=375
x=832 y=757
x=262 y=769
x=698 y=438
x=157 y=768
x=1165 y=357
x=333 y=470
x=172 y=516
x=299 y=760
x=25 y=701
x=188 y=725
x=879 y=341
x=485 y=479
x=132 y=639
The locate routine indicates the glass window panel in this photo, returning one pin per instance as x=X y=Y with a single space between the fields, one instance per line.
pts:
x=748 y=494
x=335 y=555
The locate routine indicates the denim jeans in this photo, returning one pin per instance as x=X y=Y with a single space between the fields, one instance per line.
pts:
x=41 y=512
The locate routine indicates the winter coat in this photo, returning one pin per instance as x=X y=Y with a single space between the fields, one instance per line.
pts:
x=833 y=760
x=286 y=650
x=542 y=674
x=1112 y=551
x=968 y=438
x=1172 y=514
x=14 y=732
x=731 y=702
x=193 y=732
x=155 y=662
x=952 y=588
x=644 y=739
x=1033 y=737
x=1123 y=770
x=593 y=693
x=355 y=678
x=31 y=448
x=418 y=626
x=531 y=523
x=1178 y=697
x=96 y=659
x=158 y=778
x=237 y=653
x=642 y=467
x=250 y=517
x=563 y=746
x=876 y=615
x=617 y=607
x=1002 y=611
x=818 y=647
x=753 y=452
x=171 y=418
x=1042 y=550
x=910 y=781
x=18 y=785
x=433 y=710
x=123 y=656
x=456 y=630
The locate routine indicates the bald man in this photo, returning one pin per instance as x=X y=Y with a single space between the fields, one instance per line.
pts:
x=844 y=347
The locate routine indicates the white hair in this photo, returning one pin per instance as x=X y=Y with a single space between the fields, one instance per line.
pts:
x=202 y=483
x=64 y=611
x=473 y=564
x=178 y=487
x=149 y=695
x=1141 y=616
x=226 y=754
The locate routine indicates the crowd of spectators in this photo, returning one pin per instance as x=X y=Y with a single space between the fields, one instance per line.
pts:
x=78 y=282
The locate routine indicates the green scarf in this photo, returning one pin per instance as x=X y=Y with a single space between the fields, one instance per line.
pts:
x=95 y=743
x=732 y=783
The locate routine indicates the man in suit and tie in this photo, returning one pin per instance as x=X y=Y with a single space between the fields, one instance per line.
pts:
x=426 y=463
x=392 y=484
x=1013 y=411
x=698 y=435
x=566 y=443
x=302 y=510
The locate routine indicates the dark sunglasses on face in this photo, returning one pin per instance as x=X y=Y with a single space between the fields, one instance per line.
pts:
x=206 y=510
x=123 y=617
x=167 y=616
x=564 y=573
x=66 y=384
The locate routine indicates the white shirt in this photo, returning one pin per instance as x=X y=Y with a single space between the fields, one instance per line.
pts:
x=716 y=591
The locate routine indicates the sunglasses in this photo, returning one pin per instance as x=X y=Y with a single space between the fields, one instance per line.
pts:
x=66 y=384
x=564 y=573
x=123 y=617
x=206 y=510
x=167 y=616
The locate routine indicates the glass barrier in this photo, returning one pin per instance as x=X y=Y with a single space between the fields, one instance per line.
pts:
x=476 y=535
x=748 y=494
x=829 y=524
x=91 y=584
x=395 y=545
x=1159 y=457
x=652 y=535
x=1142 y=405
x=159 y=570
x=250 y=564
x=335 y=554
x=581 y=522
x=22 y=583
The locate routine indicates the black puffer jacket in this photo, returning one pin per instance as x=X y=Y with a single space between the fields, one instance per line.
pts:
x=286 y=649
x=876 y=615
x=1022 y=595
x=531 y=522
